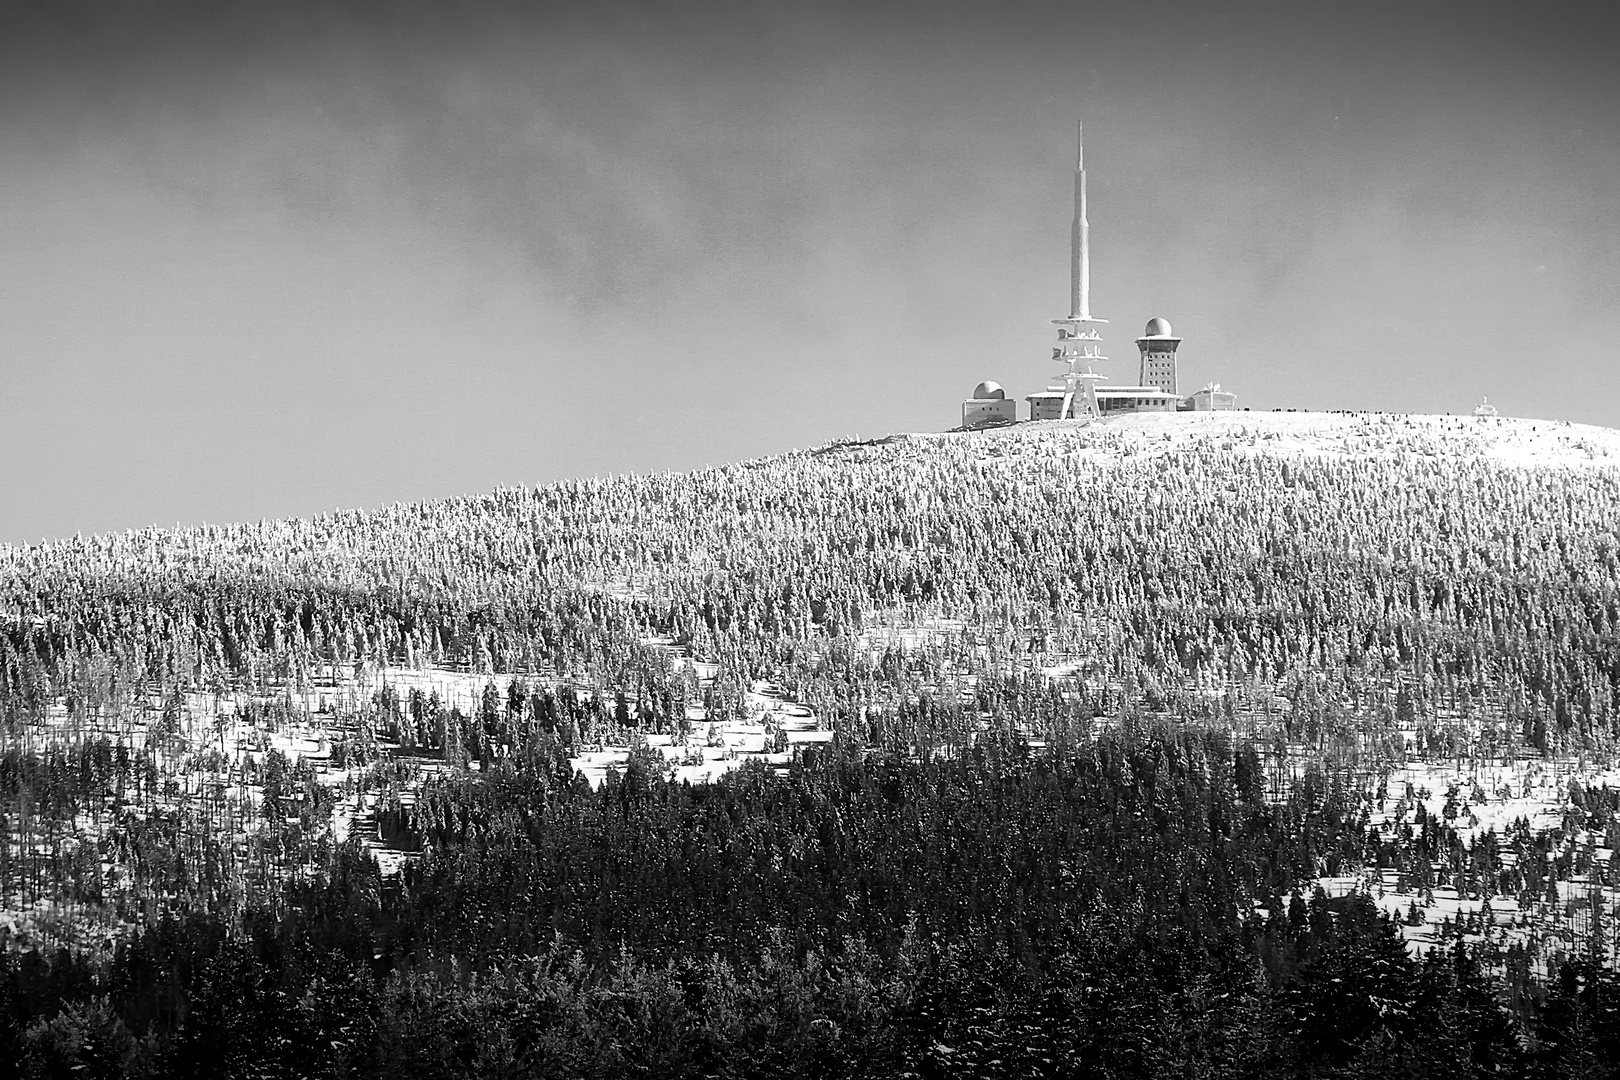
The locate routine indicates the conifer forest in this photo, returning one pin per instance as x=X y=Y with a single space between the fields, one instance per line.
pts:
x=1205 y=746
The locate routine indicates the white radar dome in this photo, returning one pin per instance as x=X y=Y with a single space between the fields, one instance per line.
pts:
x=988 y=391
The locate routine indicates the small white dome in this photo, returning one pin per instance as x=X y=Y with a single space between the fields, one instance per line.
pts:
x=988 y=391
x=1157 y=327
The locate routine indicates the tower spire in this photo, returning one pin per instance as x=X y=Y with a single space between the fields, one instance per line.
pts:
x=1079 y=346
x=1080 y=235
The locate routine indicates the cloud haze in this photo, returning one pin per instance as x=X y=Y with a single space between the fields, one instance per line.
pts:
x=261 y=259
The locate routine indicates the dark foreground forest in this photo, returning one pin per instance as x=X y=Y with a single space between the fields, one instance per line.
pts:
x=1123 y=907
x=1103 y=711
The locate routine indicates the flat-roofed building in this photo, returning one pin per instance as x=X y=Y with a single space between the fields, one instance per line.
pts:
x=1118 y=399
x=1047 y=404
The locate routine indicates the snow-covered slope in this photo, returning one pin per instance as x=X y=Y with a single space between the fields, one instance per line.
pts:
x=1422 y=597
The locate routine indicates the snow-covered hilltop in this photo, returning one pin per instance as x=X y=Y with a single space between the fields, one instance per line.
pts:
x=1510 y=441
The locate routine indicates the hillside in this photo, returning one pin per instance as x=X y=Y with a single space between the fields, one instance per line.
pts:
x=1394 y=640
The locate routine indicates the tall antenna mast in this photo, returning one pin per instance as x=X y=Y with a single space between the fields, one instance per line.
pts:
x=1080 y=235
x=1079 y=345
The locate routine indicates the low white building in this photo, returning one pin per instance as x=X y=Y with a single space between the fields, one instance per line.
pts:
x=1118 y=399
x=1211 y=399
x=1046 y=404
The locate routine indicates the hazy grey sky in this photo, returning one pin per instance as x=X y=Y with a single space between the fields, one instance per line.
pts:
x=268 y=258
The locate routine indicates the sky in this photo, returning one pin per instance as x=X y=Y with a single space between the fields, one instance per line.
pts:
x=265 y=258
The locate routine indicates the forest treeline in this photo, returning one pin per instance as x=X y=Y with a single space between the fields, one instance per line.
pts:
x=1125 y=907
x=1481 y=589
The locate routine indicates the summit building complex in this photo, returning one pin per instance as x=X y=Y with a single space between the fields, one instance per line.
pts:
x=1080 y=392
